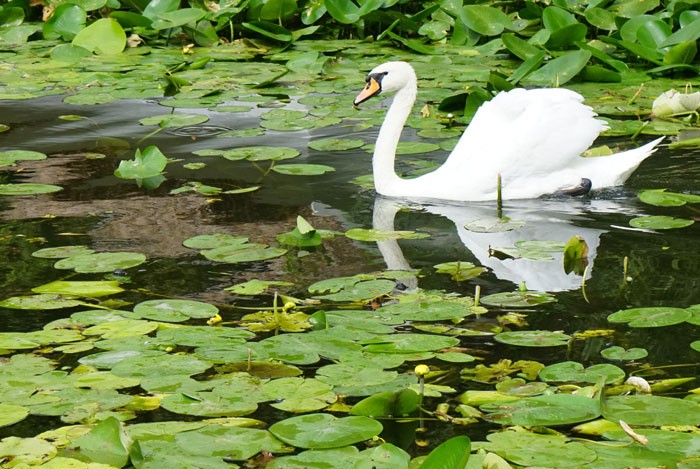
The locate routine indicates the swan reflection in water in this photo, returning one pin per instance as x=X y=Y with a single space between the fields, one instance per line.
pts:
x=544 y=220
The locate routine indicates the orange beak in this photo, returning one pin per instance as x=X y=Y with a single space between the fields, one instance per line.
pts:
x=372 y=89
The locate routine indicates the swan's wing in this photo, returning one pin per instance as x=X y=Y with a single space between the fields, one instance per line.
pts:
x=523 y=134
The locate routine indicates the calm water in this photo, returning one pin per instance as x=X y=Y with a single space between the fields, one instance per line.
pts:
x=109 y=214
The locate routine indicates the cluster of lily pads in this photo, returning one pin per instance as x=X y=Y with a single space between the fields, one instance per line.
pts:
x=329 y=373
x=346 y=371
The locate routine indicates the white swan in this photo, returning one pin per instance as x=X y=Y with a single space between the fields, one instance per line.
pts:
x=532 y=138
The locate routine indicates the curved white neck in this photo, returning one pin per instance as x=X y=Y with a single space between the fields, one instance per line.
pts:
x=385 y=178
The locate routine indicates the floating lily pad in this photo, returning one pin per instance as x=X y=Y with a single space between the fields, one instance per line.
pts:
x=299 y=394
x=651 y=410
x=409 y=343
x=233 y=254
x=214 y=241
x=62 y=252
x=10 y=157
x=555 y=409
x=151 y=162
x=361 y=234
x=459 y=270
x=101 y=262
x=11 y=414
x=175 y=310
x=619 y=353
x=302 y=169
x=122 y=328
x=174 y=120
x=260 y=153
x=28 y=188
x=335 y=144
x=361 y=291
x=533 y=338
x=80 y=288
x=518 y=299
x=575 y=372
x=45 y=301
x=494 y=225
x=651 y=317
x=26 y=451
x=531 y=449
x=425 y=311
x=256 y=287
x=303 y=431
x=107 y=443
x=660 y=222
x=662 y=198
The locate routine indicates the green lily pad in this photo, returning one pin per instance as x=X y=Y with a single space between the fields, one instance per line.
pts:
x=101 y=262
x=651 y=410
x=619 y=353
x=533 y=338
x=574 y=372
x=10 y=157
x=174 y=310
x=299 y=394
x=555 y=409
x=371 y=235
x=260 y=153
x=28 y=188
x=62 y=252
x=424 y=311
x=651 y=317
x=518 y=299
x=303 y=431
x=93 y=288
x=388 y=404
x=302 y=169
x=265 y=321
x=233 y=254
x=531 y=449
x=660 y=222
x=214 y=241
x=107 y=443
x=26 y=451
x=160 y=365
x=459 y=270
x=122 y=328
x=662 y=198
x=409 y=343
x=174 y=120
x=361 y=291
x=45 y=301
x=494 y=225
x=335 y=458
x=335 y=144
x=11 y=414
x=256 y=287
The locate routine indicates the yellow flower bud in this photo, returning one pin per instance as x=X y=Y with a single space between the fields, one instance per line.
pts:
x=421 y=370
x=214 y=320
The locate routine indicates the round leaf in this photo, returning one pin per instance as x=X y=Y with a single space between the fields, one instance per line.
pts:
x=319 y=431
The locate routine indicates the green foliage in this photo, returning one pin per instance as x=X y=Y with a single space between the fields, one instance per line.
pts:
x=556 y=43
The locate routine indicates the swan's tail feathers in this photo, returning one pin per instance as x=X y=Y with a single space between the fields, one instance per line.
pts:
x=619 y=167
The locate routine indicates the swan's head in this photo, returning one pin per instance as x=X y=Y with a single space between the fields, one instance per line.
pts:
x=386 y=78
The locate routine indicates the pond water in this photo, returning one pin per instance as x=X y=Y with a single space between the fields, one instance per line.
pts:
x=106 y=213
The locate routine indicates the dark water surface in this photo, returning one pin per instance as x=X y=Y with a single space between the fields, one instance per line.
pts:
x=110 y=214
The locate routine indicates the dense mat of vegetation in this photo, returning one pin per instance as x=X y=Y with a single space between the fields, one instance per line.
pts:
x=327 y=369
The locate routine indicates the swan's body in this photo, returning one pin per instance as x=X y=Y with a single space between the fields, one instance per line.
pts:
x=532 y=138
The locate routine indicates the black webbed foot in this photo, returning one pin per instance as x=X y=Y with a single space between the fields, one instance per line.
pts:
x=583 y=188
